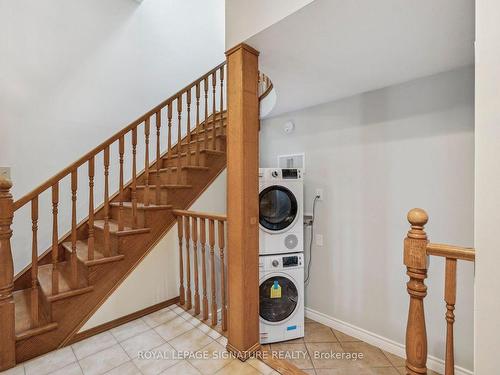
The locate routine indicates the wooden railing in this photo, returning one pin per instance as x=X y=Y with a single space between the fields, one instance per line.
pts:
x=199 y=236
x=265 y=85
x=417 y=251
x=201 y=102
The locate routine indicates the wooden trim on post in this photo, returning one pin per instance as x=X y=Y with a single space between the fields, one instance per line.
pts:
x=242 y=200
x=416 y=262
x=7 y=310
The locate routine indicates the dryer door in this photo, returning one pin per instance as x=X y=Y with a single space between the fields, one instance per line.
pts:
x=279 y=298
x=277 y=208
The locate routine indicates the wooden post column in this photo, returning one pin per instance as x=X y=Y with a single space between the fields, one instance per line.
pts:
x=416 y=262
x=243 y=200
x=7 y=317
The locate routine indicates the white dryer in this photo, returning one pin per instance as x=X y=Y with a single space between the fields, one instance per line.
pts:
x=281 y=206
x=281 y=296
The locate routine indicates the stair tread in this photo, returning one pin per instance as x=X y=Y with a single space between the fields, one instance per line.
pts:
x=22 y=301
x=82 y=252
x=113 y=227
x=141 y=206
x=166 y=186
x=64 y=276
x=202 y=139
x=193 y=152
x=193 y=167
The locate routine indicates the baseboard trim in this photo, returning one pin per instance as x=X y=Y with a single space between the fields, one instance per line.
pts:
x=124 y=319
x=433 y=363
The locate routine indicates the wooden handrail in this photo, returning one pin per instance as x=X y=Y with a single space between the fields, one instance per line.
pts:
x=200 y=215
x=416 y=258
x=451 y=251
x=85 y=158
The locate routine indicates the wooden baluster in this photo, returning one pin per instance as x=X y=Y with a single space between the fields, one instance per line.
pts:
x=211 y=242
x=106 y=235
x=158 y=185
x=214 y=108
x=203 y=240
x=259 y=80
x=415 y=259
x=91 y=210
x=205 y=126
x=169 y=137
x=194 y=233
x=188 y=136
x=7 y=309
x=221 y=100
x=34 y=263
x=188 y=265
x=121 y=151
x=169 y=140
x=197 y=157
x=450 y=295
x=133 y=195
x=146 y=162
x=55 y=239
x=74 y=255
x=179 y=137
x=182 y=295
x=222 y=275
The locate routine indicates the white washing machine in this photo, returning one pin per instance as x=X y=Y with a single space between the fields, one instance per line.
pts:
x=281 y=295
x=281 y=206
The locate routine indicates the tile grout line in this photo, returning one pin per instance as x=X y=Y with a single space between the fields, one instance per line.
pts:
x=77 y=360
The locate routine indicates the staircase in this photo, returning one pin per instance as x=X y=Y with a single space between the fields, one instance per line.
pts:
x=160 y=163
x=62 y=288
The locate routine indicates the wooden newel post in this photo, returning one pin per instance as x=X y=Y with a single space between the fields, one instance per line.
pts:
x=7 y=317
x=243 y=200
x=416 y=262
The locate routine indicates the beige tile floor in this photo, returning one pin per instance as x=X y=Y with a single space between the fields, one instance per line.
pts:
x=172 y=330
x=322 y=339
x=164 y=333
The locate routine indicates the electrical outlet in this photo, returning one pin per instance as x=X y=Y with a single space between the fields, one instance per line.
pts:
x=319 y=240
x=5 y=172
x=319 y=194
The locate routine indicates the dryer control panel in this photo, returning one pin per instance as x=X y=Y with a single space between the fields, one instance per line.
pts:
x=280 y=262
x=269 y=174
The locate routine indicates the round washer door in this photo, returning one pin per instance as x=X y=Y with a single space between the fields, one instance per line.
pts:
x=277 y=208
x=275 y=307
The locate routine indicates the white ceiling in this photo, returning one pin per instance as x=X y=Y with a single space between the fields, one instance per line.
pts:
x=332 y=49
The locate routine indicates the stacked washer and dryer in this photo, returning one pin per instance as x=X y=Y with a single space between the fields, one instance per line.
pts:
x=281 y=261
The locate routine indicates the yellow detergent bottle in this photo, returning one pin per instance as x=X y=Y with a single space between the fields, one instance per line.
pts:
x=276 y=290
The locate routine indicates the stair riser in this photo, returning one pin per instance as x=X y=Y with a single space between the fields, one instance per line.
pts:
x=128 y=219
x=186 y=177
x=220 y=144
x=172 y=162
x=151 y=196
x=99 y=242
x=145 y=218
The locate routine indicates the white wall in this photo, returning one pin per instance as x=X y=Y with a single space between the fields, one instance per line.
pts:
x=377 y=155
x=487 y=209
x=156 y=279
x=73 y=73
x=246 y=18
